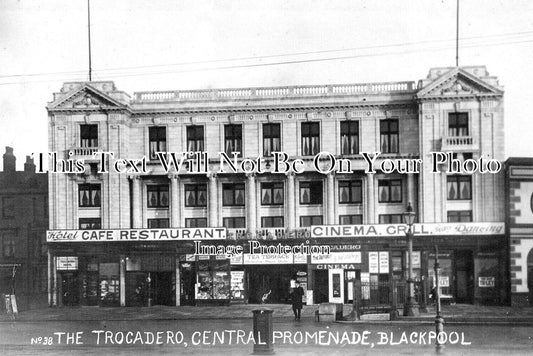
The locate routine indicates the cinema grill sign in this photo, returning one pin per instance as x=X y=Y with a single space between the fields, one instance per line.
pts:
x=131 y=235
x=445 y=229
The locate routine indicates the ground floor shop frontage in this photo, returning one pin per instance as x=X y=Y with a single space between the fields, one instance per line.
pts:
x=473 y=269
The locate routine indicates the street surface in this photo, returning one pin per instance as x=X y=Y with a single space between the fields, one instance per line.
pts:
x=235 y=337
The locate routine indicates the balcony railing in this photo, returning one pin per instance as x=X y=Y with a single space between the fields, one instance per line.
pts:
x=84 y=151
x=274 y=92
x=459 y=143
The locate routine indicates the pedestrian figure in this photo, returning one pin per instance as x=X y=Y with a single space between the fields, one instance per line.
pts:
x=296 y=298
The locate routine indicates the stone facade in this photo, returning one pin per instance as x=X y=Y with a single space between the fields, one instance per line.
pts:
x=455 y=110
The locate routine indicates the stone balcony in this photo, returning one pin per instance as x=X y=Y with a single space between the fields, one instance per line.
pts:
x=459 y=143
x=85 y=153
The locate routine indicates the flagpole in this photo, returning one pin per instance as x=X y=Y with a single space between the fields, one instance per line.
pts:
x=89 y=35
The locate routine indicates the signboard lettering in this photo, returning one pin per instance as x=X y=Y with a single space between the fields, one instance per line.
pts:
x=127 y=235
x=486 y=282
x=430 y=229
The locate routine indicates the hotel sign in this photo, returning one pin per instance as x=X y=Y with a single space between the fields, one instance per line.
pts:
x=132 y=235
x=430 y=229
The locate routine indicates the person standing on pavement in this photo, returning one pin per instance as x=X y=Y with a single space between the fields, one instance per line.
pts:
x=296 y=298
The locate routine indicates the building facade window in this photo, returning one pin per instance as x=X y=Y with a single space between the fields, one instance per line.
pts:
x=157 y=196
x=272 y=194
x=195 y=222
x=349 y=137
x=272 y=221
x=234 y=223
x=389 y=136
x=233 y=194
x=460 y=216
x=89 y=195
x=390 y=190
x=8 y=207
x=271 y=139
x=310 y=138
x=8 y=245
x=311 y=192
x=90 y=223
x=459 y=187
x=195 y=195
x=350 y=192
x=233 y=139
x=310 y=220
x=390 y=218
x=158 y=223
x=157 y=137
x=350 y=219
x=195 y=138
x=458 y=124
x=89 y=135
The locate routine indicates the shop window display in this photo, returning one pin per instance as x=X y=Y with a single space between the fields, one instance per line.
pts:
x=213 y=278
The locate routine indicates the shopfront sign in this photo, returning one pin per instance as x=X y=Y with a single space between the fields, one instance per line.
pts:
x=133 y=235
x=373 y=262
x=337 y=266
x=384 y=262
x=430 y=229
x=67 y=263
x=267 y=259
x=486 y=282
x=337 y=257
x=444 y=281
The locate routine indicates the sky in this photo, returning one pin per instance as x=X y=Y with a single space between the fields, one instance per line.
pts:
x=162 y=45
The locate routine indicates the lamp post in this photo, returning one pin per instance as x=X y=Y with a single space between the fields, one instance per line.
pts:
x=410 y=307
x=439 y=320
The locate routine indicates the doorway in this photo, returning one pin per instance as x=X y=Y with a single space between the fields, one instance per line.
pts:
x=350 y=278
x=464 y=276
x=70 y=288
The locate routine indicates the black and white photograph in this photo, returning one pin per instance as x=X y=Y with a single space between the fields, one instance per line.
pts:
x=231 y=177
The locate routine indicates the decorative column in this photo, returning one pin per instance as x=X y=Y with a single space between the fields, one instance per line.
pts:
x=213 y=208
x=291 y=223
x=122 y=280
x=50 y=284
x=178 y=282
x=174 y=200
x=136 y=201
x=251 y=212
x=411 y=190
x=54 y=277
x=330 y=198
x=370 y=199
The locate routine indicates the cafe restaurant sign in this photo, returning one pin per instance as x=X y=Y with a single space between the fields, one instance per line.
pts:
x=130 y=235
x=430 y=229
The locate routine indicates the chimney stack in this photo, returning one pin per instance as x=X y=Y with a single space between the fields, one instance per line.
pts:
x=9 y=160
x=29 y=166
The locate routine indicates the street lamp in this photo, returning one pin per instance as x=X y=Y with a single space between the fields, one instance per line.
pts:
x=410 y=307
x=439 y=320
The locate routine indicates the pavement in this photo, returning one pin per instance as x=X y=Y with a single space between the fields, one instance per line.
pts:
x=459 y=313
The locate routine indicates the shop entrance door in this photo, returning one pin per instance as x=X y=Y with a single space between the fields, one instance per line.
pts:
x=350 y=277
x=70 y=288
x=464 y=276
x=320 y=293
x=336 y=285
x=161 y=287
x=188 y=279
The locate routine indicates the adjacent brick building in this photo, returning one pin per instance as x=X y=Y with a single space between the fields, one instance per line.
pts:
x=519 y=194
x=23 y=224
